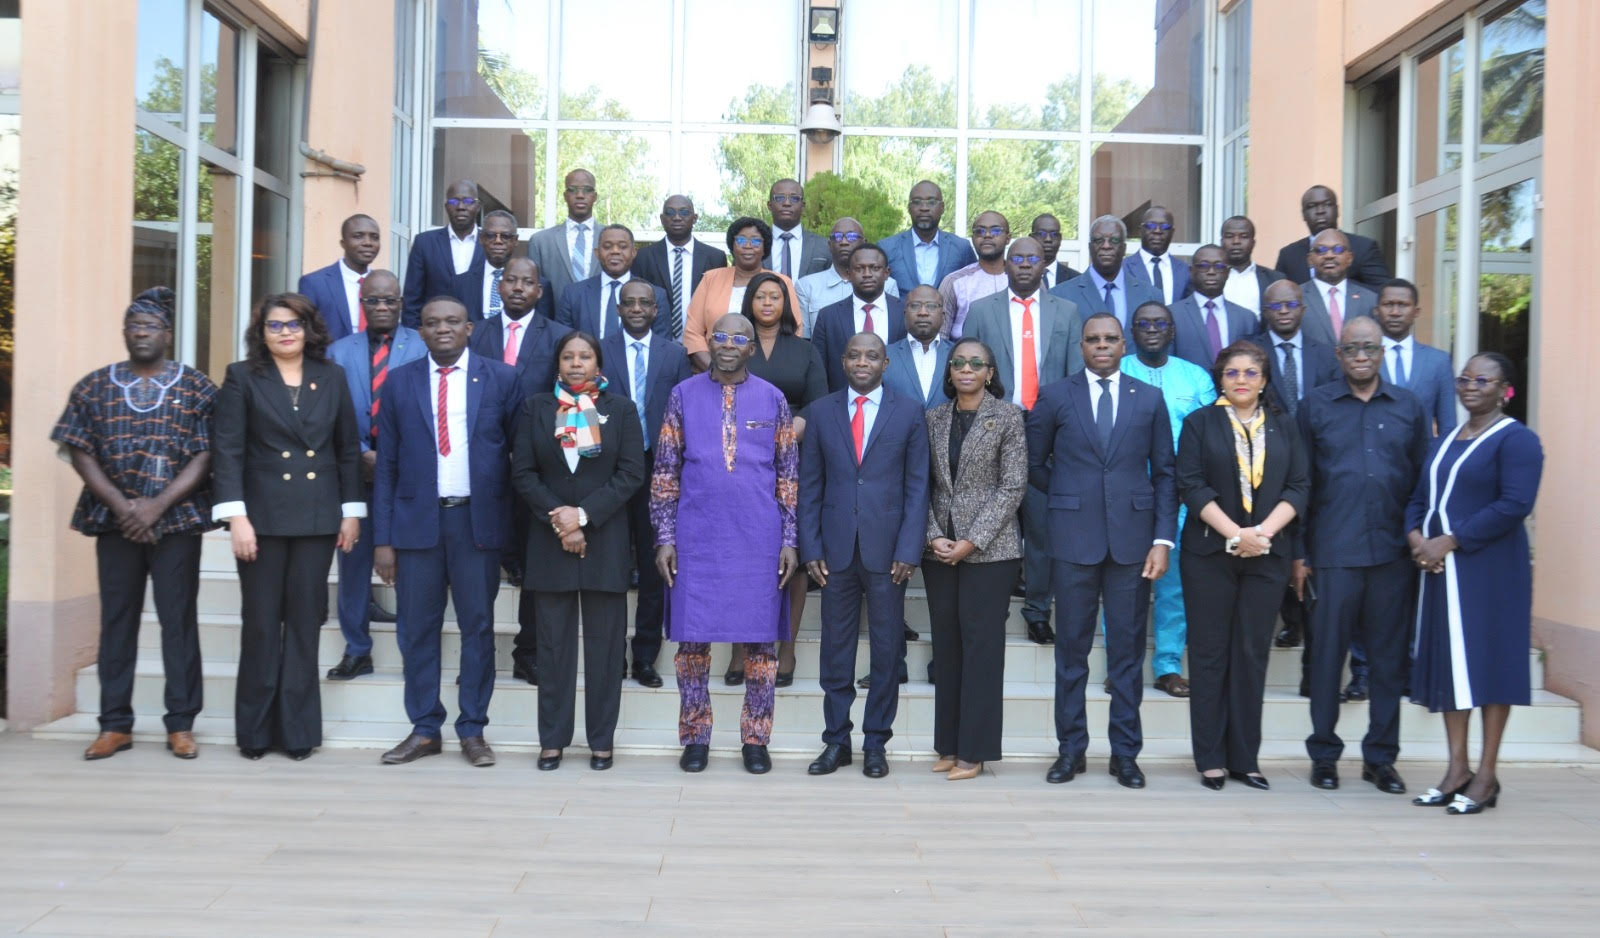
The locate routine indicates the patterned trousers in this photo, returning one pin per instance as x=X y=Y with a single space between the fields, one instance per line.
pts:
x=693 y=663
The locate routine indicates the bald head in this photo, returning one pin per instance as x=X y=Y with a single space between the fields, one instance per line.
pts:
x=1330 y=255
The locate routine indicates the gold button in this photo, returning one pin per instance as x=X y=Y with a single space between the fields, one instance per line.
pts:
x=310 y=453
x=311 y=475
x=286 y=477
x=286 y=454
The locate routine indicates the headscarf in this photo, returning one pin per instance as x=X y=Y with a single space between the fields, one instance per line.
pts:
x=156 y=301
x=577 y=420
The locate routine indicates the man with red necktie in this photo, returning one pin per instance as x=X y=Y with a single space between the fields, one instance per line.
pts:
x=867 y=309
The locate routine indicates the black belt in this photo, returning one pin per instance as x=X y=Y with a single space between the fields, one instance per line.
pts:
x=454 y=501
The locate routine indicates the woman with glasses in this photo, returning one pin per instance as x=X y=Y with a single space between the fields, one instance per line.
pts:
x=1475 y=601
x=979 y=473
x=286 y=467
x=1242 y=476
x=722 y=291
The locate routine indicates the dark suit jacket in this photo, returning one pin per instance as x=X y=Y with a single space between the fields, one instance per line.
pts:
x=1103 y=503
x=1318 y=366
x=1368 y=265
x=1192 y=344
x=601 y=486
x=1089 y=300
x=1208 y=471
x=1357 y=299
x=654 y=264
x=536 y=358
x=580 y=309
x=405 y=497
x=667 y=365
x=325 y=289
x=469 y=290
x=879 y=507
x=901 y=375
x=293 y=469
x=1177 y=272
x=431 y=272
x=1431 y=377
x=1065 y=272
x=955 y=252
x=809 y=256
x=836 y=324
x=1265 y=277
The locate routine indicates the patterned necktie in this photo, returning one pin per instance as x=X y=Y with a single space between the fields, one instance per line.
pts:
x=580 y=255
x=509 y=356
x=1291 y=378
x=858 y=425
x=1103 y=417
x=495 y=303
x=380 y=374
x=1029 y=391
x=677 y=292
x=444 y=409
x=1213 y=328
x=1156 y=279
x=788 y=267
x=866 y=317
x=1334 y=313
x=613 y=319
x=361 y=308
x=638 y=387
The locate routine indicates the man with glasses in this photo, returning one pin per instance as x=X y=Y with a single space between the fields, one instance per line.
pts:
x=986 y=276
x=1107 y=287
x=922 y=255
x=592 y=305
x=335 y=290
x=677 y=262
x=478 y=288
x=1319 y=208
x=795 y=251
x=1206 y=322
x=440 y=255
x=1166 y=275
x=917 y=362
x=1047 y=231
x=1366 y=440
x=866 y=309
x=366 y=358
x=565 y=252
x=1331 y=297
x=824 y=288
x=1247 y=280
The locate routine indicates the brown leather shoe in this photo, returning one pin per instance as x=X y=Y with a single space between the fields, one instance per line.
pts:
x=1173 y=684
x=107 y=745
x=477 y=752
x=182 y=745
x=411 y=749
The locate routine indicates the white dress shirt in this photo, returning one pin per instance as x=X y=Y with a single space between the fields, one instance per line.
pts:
x=1243 y=288
x=688 y=278
x=1148 y=260
x=605 y=296
x=1296 y=342
x=795 y=247
x=1219 y=310
x=352 y=293
x=816 y=292
x=880 y=316
x=869 y=412
x=1113 y=389
x=515 y=336
x=455 y=480
x=461 y=248
x=1015 y=378
x=591 y=232
x=1327 y=289
x=1405 y=350
x=926 y=359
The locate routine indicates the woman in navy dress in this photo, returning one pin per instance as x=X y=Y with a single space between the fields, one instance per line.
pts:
x=1475 y=601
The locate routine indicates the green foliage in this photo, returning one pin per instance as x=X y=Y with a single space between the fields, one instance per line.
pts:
x=750 y=163
x=830 y=198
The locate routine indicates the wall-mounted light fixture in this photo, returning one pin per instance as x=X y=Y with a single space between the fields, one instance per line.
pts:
x=824 y=24
x=821 y=124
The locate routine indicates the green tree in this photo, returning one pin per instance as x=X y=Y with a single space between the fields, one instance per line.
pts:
x=830 y=198
x=750 y=163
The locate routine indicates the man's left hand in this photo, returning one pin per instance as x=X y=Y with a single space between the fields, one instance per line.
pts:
x=1155 y=562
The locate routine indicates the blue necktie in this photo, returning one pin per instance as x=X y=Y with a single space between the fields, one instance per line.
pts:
x=580 y=255
x=1111 y=305
x=1103 y=417
x=639 y=387
x=495 y=303
x=1400 y=376
x=1156 y=279
x=613 y=321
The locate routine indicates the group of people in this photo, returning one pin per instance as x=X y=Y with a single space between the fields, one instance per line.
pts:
x=1197 y=448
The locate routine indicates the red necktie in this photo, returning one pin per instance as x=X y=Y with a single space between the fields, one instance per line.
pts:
x=361 y=308
x=866 y=326
x=380 y=373
x=858 y=425
x=1030 y=365
x=444 y=410
x=510 y=354
x=1334 y=313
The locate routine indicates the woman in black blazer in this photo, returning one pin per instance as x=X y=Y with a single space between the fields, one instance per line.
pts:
x=1242 y=474
x=577 y=458
x=286 y=477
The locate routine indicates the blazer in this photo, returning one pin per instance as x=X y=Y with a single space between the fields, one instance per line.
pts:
x=405 y=497
x=1181 y=286
x=989 y=321
x=666 y=366
x=293 y=471
x=901 y=375
x=352 y=354
x=879 y=507
x=1431 y=376
x=469 y=290
x=1361 y=300
x=1367 y=266
x=548 y=248
x=980 y=504
x=1191 y=343
x=1318 y=366
x=836 y=324
x=1081 y=291
x=955 y=252
x=814 y=254
x=536 y=358
x=1065 y=272
x=431 y=272
x=1111 y=502
x=325 y=289
x=710 y=303
x=654 y=264
x=1208 y=471
x=601 y=485
x=580 y=309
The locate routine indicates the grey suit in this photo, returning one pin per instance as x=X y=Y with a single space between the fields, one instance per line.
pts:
x=1354 y=300
x=549 y=250
x=808 y=257
x=1192 y=343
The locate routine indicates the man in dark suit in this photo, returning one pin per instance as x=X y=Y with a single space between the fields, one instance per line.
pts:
x=438 y=256
x=1247 y=280
x=1102 y=450
x=644 y=367
x=591 y=305
x=1331 y=297
x=1167 y=276
x=335 y=289
x=1047 y=231
x=923 y=255
x=565 y=252
x=1320 y=209
x=1421 y=369
x=815 y=292
x=795 y=251
x=1206 y=322
x=867 y=309
x=441 y=517
x=917 y=362
x=863 y=517
x=1106 y=287
x=677 y=262
x=478 y=288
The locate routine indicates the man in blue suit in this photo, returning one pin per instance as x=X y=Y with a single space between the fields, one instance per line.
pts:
x=440 y=255
x=441 y=517
x=1100 y=446
x=367 y=357
x=644 y=367
x=1106 y=287
x=478 y=288
x=867 y=309
x=593 y=305
x=1206 y=321
x=917 y=362
x=335 y=289
x=922 y=255
x=863 y=516
x=1421 y=369
x=1165 y=275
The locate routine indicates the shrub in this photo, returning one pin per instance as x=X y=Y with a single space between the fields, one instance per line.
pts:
x=830 y=198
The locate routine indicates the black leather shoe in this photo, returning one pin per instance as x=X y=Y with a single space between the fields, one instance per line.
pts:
x=1064 y=769
x=526 y=671
x=1288 y=637
x=413 y=747
x=833 y=756
x=694 y=758
x=875 y=764
x=911 y=634
x=251 y=754
x=376 y=613
x=1325 y=775
x=864 y=682
x=646 y=675
x=783 y=680
x=299 y=755
x=733 y=678
x=1126 y=771
x=350 y=666
x=1258 y=782
x=1041 y=633
x=756 y=760
x=1214 y=782
x=1383 y=777
x=601 y=763
x=550 y=763
x=1356 y=689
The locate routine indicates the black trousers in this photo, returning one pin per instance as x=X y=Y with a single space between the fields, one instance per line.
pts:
x=1080 y=591
x=605 y=626
x=277 y=701
x=967 y=609
x=1376 y=603
x=886 y=653
x=1232 y=607
x=651 y=606
x=172 y=565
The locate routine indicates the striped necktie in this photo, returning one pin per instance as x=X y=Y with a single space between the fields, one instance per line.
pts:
x=380 y=374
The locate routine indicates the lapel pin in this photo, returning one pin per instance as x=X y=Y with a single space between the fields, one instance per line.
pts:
x=313 y=385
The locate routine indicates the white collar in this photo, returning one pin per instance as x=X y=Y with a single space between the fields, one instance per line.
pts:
x=349 y=273
x=1405 y=343
x=471 y=236
x=1277 y=340
x=916 y=241
x=1248 y=271
x=875 y=396
x=572 y=224
x=628 y=340
x=460 y=365
x=1146 y=257
x=1012 y=295
x=780 y=232
x=857 y=302
x=1115 y=377
x=605 y=278
x=506 y=320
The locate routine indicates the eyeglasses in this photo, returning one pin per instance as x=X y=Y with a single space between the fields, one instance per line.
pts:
x=786 y=199
x=637 y=302
x=676 y=212
x=1352 y=349
x=498 y=235
x=1249 y=374
x=1025 y=259
x=932 y=306
x=1474 y=381
x=850 y=236
x=467 y=202
x=1157 y=226
x=1038 y=235
x=976 y=364
x=1152 y=325
x=380 y=301
x=1107 y=239
x=926 y=203
x=744 y=242
x=278 y=326
x=1329 y=249
x=1209 y=265
x=739 y=340
x=993 y=232
x=580 y=190
x=1285 y=306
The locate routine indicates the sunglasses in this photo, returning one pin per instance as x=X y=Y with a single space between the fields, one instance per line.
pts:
x=723 y=338
x=676 y=212
x=786 y=199
x=1329 y=249
x=280 y=326
x=1352 y=349
x=467 y=202
x=976 y=364
x=1157 y=226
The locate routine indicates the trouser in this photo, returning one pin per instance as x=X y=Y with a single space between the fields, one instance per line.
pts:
x=472 y=578
x=1377 y=601
x=886 y=644
x=355 y=592
x=967 y=609
x=605 y=625
x=1232 y=605
x=1036 y=561
x=651 y=604
x=1167 y=620
x=1080 y=590
x=277 y=698
x=693 y=665
x=172 y=565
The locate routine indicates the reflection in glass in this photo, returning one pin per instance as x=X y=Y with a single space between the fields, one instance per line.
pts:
x=1380 y=228
x=1236 y=79
x=1438 y=112
x=882 y=90
x=269 y=244
x=892 y=165
x=728 y=175
x=1022 y=179
x=629 y=171
x=1149 y=66
x=156 y=176
x=219 y=83
x=274 y=105
x=1050 y=45
x=1130 y=177
x=1505 y=279
x=405 y=38
x=1376 y=152
x=762 y=89
x=216 y=266
x=506 y=165
x=493 y=64
x=158 y=70
x=615 y=58
x=1436 y=263
x=1511 y=70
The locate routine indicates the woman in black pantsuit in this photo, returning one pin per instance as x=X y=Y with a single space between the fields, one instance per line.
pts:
x=1242 y=473
x=286 y=478
x=577 y=458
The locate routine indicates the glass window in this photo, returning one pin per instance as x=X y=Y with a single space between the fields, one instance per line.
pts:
x=1149 y=66
x=1236 y=78
x=629 y=171
x=275 y=141
x=1022 y=179
x=157 y=166
x=1043 y=33
x=216 y=268
x=728 y=175
x=1377 y=130
x=608 y=49
x=892 y=165
x=759 y=88
x=495 y=64
x=1511 y=70
x=886 y=87
x=1436 y=263
x=1438 y=111
x=1505 y=278
x=219 y=83
x=405 y=40
x=1130 y=177
x=158 y=70
x=506 y=165
x=269 y=253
